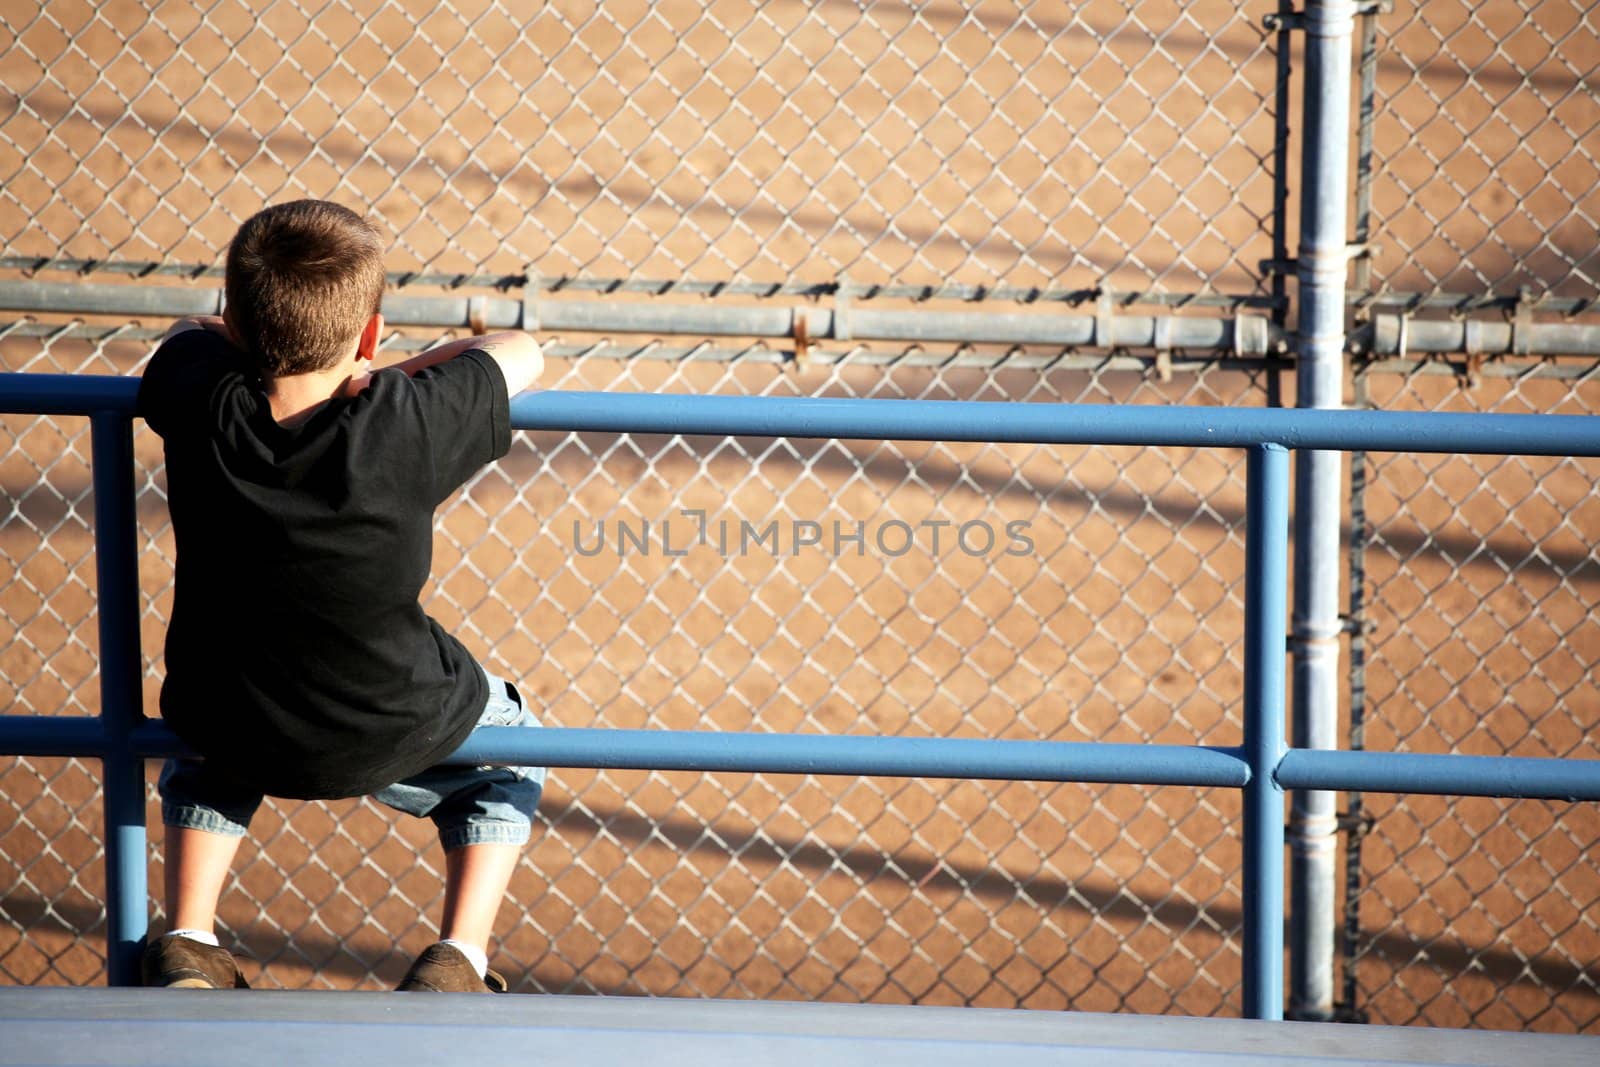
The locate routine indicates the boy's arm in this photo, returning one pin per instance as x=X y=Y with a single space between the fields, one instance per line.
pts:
x=188 y=359
x=518 y=355
x=461 y=401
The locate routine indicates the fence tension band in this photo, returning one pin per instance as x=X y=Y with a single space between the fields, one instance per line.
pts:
x=1291 y=20
x=841 y=308
x=1522 y=322
x=1161 y=337
x=1104 y=319
x=800 y=327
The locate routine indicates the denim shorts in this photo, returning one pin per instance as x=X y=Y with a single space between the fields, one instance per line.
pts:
x=469 y=805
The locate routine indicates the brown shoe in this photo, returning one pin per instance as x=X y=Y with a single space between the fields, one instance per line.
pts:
x=181 y=963
x=443 y=969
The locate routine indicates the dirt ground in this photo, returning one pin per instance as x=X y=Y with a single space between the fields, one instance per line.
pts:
x=934 y=145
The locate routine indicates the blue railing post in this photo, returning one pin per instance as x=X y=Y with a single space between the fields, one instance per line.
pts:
x=1265 y=649
x=121 y=668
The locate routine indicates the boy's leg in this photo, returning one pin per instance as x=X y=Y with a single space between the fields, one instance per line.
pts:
x=197 y=865
x=475 y=881
x=206 y=815
x=484 y=816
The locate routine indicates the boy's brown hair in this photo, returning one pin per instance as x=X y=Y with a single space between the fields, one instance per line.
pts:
x=302 y=280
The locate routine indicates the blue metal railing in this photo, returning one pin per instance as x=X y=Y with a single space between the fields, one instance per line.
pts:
x=1262 y=766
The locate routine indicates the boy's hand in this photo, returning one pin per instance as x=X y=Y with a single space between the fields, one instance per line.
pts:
x=218 y=325
x=355 y=384
x=215 y=323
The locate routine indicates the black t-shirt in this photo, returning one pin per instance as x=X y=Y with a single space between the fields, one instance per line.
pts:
x=298 y=656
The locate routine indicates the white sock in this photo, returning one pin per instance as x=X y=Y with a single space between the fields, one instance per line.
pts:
x=205 y=937
x=475 y=955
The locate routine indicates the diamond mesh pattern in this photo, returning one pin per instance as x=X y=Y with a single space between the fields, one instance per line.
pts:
x=1485 y=128
x=1024 y=145
x=52 y=915
x=642 y=147
x=1121 y=623
x=1481 y=576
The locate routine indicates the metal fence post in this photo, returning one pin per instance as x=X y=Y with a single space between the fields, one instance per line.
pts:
x=1266 y=597
x=1322 y=264
x=117 y=571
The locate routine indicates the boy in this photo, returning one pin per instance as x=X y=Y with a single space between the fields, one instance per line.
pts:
x=299 y=661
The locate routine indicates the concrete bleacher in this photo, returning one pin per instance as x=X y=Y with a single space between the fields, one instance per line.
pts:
x=146 y=1027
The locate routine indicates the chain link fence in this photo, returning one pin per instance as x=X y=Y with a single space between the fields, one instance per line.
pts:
x=679 y=152
x=1481 y=119
x=1479 y=576
x=995 y=145
x=995 y=154
x=1473 y=578
x=1120 y=622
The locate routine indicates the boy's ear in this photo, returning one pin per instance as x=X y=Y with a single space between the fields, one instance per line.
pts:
x=371 y=334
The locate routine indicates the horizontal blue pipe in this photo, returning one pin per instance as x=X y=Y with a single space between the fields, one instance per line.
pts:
x=950 y=420
x=42 y=735
x=1070 y=424
x=704 y=750
x=1463 y=776
x=1372 y=772
x=911 y=757
x=78 y=735
x=67 y=394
